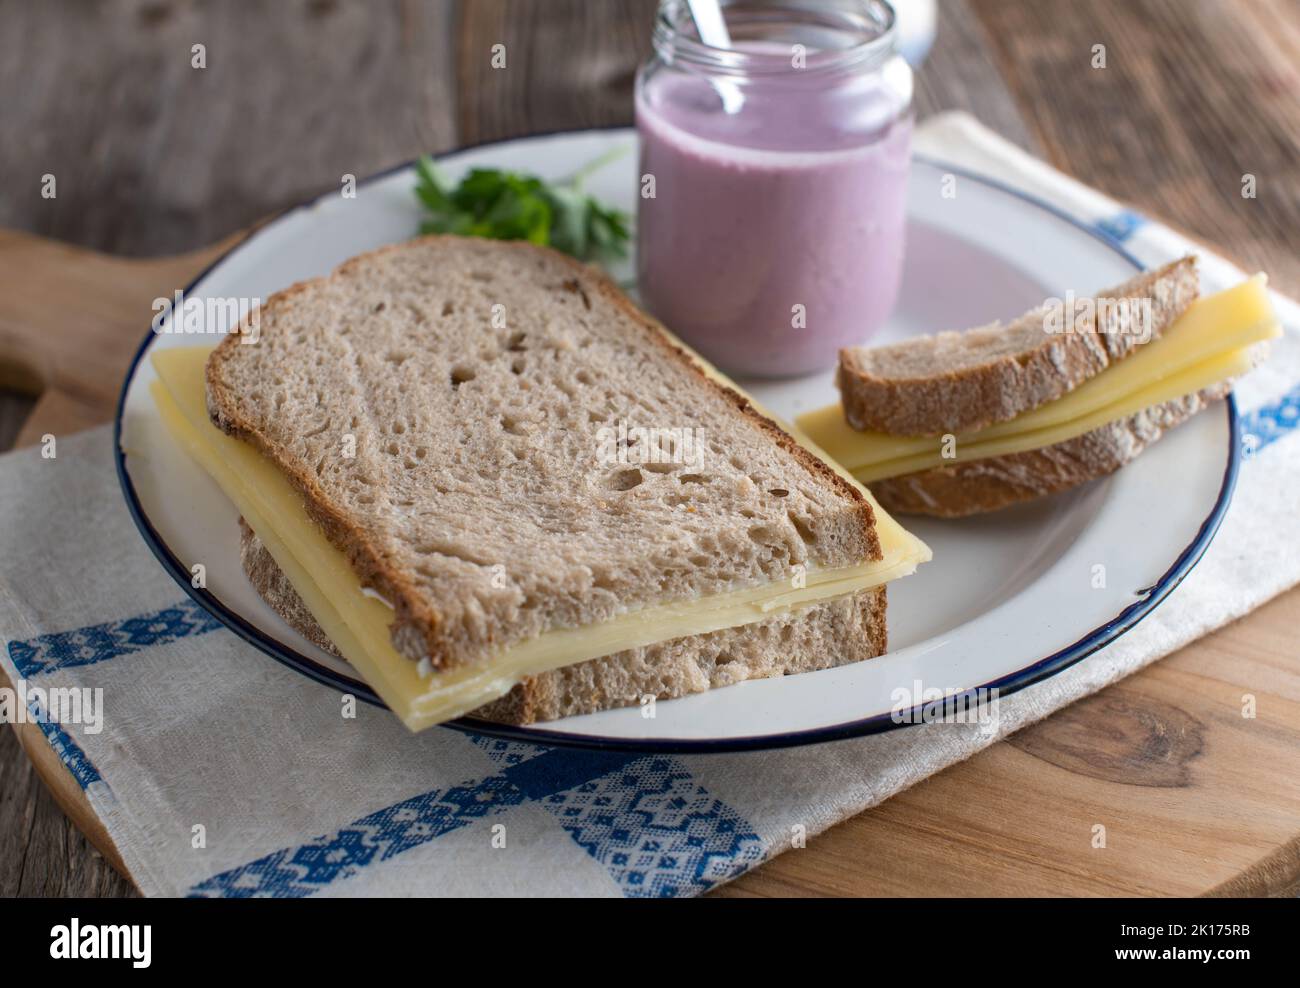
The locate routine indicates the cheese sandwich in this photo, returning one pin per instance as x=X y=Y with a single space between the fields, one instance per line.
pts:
x=479 y=474
x=963 y=423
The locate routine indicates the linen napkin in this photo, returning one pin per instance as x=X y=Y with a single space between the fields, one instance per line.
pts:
x=218 y=772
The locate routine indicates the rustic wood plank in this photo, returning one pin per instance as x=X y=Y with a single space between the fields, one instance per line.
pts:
x=603 y=44
x=77 y=351
x=569 y=64
x=57 y=413
x=961 y=74
x=1194 y=96
x=14 y=412
x=154 y=156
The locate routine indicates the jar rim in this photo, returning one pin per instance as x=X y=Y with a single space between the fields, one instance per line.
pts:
x=872 y=21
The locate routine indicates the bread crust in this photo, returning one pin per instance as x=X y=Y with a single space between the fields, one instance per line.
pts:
x=1006 y=385
x=981 y=486
x=783 y=645
x=417 y=624
x=702 y=662
x=274 y=587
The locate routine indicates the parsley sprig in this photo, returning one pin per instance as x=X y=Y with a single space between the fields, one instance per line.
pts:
x=505 y=205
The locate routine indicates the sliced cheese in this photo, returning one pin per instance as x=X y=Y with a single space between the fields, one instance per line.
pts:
x=358 y=623
x=1209 y=343
x=1229 y=365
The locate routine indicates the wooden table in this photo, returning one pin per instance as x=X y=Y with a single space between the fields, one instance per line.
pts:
x=154 y=157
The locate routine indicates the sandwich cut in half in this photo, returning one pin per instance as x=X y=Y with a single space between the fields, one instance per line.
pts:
x=957 y=424
x=479 y=474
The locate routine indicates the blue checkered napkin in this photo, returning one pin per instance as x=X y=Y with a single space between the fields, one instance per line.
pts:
x=219 y=772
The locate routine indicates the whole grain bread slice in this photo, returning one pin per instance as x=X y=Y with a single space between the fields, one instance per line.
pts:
x=821 y=636
x=959 y=381
x=978 y=486
x=460 y=416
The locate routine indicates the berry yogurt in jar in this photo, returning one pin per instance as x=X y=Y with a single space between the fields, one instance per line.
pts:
x=770 y=224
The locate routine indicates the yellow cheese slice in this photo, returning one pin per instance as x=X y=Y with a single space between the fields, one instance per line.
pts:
x=358 y=624
x=1209 y=343
x=1229 y=365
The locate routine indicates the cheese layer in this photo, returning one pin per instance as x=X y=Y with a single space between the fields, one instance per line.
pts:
x=1208 y=344
x=358 y=624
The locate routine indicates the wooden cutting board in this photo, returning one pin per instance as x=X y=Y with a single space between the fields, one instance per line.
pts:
x=1195 y=798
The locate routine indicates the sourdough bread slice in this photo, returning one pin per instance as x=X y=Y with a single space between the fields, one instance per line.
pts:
x=460 y=416
x=820 y=636
x=979 y=486
x=961 y=381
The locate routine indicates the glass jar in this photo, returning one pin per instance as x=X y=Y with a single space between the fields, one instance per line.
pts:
x=771 y=218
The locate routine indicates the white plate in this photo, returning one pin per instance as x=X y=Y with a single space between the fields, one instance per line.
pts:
x=1010 y=597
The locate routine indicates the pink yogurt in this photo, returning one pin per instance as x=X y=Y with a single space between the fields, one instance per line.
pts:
x=775 y=235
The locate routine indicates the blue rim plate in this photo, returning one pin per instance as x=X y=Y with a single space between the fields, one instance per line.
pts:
x=1054 y=532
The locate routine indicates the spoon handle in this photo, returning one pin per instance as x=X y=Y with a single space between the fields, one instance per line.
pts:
x=710 y=23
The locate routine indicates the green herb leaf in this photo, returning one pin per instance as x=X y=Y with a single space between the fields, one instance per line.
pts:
x=505 y=205
x=570 y=210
